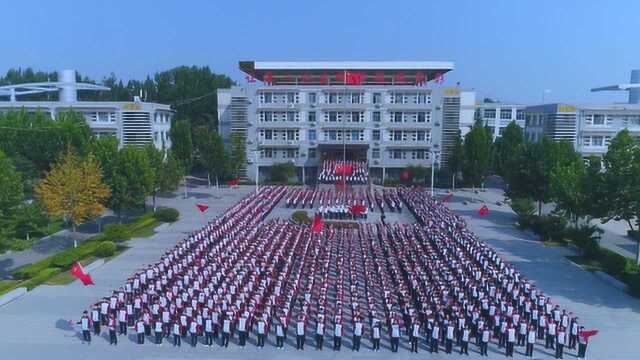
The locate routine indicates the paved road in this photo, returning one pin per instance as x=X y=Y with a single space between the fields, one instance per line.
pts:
x=35 y=326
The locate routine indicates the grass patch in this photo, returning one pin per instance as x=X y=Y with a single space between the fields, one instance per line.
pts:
x=8 y=285
x=587 y=264
x=144 y=226
x=65 y=277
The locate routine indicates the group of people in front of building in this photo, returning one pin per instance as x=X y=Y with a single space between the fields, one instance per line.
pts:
x=431 y=285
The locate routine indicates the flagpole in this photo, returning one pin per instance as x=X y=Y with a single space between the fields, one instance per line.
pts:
x=344 y=135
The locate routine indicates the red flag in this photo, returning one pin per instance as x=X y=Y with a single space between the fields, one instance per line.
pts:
x=483 y=211
x=378 y=77
x=588 y=333
x=438 y=78
x=340 y=77
x=420 y=78
x=250 y=79
x=317 y=224
x=398 y=78
x=341 y=184
x=268 y=78
x=357 y=209
x=202 y=207
x=404 y=175
x=354 y=78
x=78 y=272
x=447 y=197
x=324 y=79
x=233 y=182
x=344 y=169
x=306 y=78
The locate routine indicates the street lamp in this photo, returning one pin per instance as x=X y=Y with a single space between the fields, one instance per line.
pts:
x=434 y=154
x=256 y=156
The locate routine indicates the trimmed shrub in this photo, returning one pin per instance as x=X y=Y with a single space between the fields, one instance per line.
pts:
x=168 y=215
x=549 y=227
x=66 y=258
x=525 y=210
x=116 y=233
x=105 y=249
x=613 y=263
x=41 y=277
x=391 y=182
x=32 y=270
x=301 y=217
x=590 y=249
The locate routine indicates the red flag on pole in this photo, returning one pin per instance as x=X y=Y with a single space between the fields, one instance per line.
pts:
x=344 y=169
x=317 y=224
x=378 y=77
x=268 y=78
x=588 y=333
x=202 y=207
x=404 y=175
x=447 y=197
x=357 y=209
x=233 y=182
x=324 y=79
x=354 y=78
x=421 y=79
x=483 y=211
x=78 y=272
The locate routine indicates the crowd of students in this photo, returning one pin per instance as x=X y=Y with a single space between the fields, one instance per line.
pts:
x=374 y=199
x=430 y=285
x=351 y=171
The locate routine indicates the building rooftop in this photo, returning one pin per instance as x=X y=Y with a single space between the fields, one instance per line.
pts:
x=333 y=72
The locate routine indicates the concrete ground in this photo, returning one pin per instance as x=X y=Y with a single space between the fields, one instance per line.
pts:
x=36 y=325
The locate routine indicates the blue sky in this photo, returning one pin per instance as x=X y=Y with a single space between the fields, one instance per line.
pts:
x=511 y=50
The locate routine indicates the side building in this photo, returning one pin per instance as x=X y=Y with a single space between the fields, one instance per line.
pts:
x=497 y=116
x=379 y=112
x=132 y=123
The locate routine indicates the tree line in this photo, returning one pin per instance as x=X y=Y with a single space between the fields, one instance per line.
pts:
x=605 y=188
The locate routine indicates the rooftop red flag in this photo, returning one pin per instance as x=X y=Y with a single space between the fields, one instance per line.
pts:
x=306 y=78
x=354 y=78
x=202 y=207
x=340 y=77
x=357 y=209
x=398 y=78
x=317 y=224
x=78 y=272
x=378 y=77
x=324 y=79
x=233 y=182
x=447 y=197
x=268 y=78
x=420 y=78
x=483 y=211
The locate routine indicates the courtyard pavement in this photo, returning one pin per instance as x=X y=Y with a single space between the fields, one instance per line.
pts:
x=36 y=325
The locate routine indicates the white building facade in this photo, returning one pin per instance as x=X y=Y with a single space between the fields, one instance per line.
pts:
x=497 y=116
x=133 y=123
x=386 y=113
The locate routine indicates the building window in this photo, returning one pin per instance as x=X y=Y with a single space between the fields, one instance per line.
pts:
x=267 y=153
x=268 y=116
x=505 y=114
x=375 y=153
x=312 y=153
x=421 y=117
x=598 y=119
x=312 y=116
x=355 y=98
x=312 y=98
x=519 y=114
x=597 y=141
x=312 y=134
x=397 y=117
x=376 y=116
x=333 y=98
x=292 y=153
x=290 y=98
x=333 y=116
x=420 y=135
x=376 y=135
x=489 y=113
x=291 y=116
x=397 y=135
x=377 y=98
x=268 y=98
x=396 y=154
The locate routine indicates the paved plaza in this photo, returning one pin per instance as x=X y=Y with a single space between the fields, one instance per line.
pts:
x=36 y=325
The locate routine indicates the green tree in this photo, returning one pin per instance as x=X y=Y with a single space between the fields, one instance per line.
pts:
x=213 y=155
x=418 y=174
x=238 y=155
x=169 y=175
x=507 y=148
x=477 y=154
x=28 y=220
x=133 y=179
x=11 y=191
x=575 y=188
x=621 y=182
x=181 y=143
x=530 y=172
x=456 y=160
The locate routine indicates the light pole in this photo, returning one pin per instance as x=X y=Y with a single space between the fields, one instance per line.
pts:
x=256 y=155
x=434 y=154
